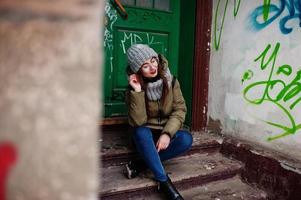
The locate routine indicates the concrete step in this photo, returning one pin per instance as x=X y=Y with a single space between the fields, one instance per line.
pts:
x=228 y=189
x=186 y=172
x=117 y=148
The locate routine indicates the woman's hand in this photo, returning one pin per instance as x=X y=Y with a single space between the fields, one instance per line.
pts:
x=163 y=142
x=135 y=82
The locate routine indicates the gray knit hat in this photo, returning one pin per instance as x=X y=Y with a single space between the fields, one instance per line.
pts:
x=137 y=54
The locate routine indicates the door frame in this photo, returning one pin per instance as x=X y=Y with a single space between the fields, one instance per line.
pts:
x=201 y=65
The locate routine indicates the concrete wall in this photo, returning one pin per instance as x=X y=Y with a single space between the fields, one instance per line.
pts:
x=50 y=60
x=254 y=88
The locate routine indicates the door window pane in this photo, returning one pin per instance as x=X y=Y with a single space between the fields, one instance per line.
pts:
x=128 y=2
x=144 y=3
x=162 y=5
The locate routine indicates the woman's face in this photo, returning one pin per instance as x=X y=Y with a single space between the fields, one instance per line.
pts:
x=149 y=68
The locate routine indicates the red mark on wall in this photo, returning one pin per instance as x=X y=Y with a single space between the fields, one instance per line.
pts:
x=8 y=157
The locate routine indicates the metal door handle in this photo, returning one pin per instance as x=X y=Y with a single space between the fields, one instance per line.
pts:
x=120 y=6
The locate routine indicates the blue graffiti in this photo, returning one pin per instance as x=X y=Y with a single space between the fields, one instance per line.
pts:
x=293 y=8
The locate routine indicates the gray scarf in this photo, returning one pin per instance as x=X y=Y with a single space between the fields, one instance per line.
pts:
x=154 y=89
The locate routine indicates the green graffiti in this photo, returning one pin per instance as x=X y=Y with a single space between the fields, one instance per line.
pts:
x=276 y=91
x=218 y=30
x=285 y=69
x=247 y=75
x=266 y=9
x=236 y=7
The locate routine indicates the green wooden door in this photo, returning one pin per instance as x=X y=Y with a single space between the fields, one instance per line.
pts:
x=152 y=22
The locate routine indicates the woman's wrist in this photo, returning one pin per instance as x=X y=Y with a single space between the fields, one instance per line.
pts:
x=137 y=90
x=166 y=133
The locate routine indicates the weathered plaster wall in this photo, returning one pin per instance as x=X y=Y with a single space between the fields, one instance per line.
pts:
x=50 y=60
x=254 y=87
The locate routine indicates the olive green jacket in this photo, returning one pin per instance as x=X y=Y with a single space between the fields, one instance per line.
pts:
x=169 y=117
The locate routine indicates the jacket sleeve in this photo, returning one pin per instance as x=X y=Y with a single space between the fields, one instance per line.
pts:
x=177 y=116
x=136 y=108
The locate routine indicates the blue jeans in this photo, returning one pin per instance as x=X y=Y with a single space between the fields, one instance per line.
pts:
x=145 y=140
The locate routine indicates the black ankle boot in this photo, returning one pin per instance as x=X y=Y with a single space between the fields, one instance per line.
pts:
x=169 y=190
x=134 y=167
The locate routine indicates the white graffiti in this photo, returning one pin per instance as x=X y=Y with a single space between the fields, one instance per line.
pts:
x=111 y=17
x=150 y=40
x=111 y=14
x=134 y=38
x=108 y=39
x=128 y=38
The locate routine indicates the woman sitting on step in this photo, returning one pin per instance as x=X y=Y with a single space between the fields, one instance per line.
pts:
x=156 y=110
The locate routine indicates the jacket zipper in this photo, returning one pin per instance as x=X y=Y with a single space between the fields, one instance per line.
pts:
x=159 y=110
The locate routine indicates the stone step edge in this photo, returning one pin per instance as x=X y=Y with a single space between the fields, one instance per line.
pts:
x=269 y=170
x=121 y=158
x=180 y=184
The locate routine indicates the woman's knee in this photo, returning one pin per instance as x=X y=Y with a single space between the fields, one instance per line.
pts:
x=185 y=137
x=142 y=133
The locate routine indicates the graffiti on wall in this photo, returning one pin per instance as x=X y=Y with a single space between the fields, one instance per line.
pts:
x=285 y=11
x=141 y=38
x=129 y=38
x=261 y=17
x=275 y=89
x=285 y=95
x=217 y=30
x=111 y=18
